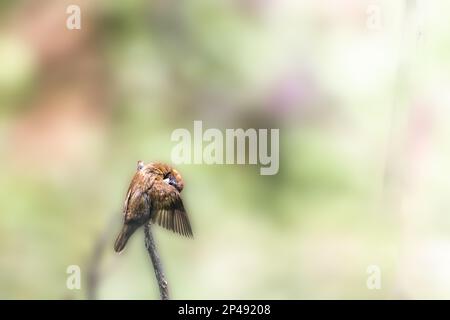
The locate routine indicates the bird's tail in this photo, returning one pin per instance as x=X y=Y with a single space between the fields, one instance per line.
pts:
x=124 y=235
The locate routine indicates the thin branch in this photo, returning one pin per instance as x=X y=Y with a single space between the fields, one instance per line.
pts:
x=157 y=266
x=93 y=270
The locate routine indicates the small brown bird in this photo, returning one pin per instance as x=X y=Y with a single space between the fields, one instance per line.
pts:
x=154 y=195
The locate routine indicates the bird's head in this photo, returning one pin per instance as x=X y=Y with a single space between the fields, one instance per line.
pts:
x=174 y=179
x=165 y=173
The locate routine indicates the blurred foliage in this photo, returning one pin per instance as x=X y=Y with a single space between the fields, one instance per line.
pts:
x=364 y=150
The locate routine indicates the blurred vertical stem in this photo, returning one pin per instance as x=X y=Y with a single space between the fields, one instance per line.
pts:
x=156 y=261
x=93 y=270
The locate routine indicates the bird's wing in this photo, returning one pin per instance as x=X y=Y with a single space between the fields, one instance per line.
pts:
x=167 y=209
x=137 y=203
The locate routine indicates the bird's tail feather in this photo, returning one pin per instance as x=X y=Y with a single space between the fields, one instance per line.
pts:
x=124 y=235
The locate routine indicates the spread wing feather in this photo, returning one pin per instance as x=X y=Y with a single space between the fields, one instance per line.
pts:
x=168 y=209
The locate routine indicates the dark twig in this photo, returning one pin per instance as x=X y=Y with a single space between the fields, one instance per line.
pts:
x=157 y=266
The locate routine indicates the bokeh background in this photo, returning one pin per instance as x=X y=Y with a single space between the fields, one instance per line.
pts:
x=363 y=108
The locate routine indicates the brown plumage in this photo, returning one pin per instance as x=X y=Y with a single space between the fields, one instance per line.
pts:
x=154 y=195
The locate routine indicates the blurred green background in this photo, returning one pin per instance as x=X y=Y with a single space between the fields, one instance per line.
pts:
x=363 y=108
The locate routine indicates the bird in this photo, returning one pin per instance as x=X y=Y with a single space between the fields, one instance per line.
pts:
x=154 y=197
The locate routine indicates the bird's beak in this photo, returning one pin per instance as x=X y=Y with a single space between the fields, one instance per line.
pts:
x=173 y=182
